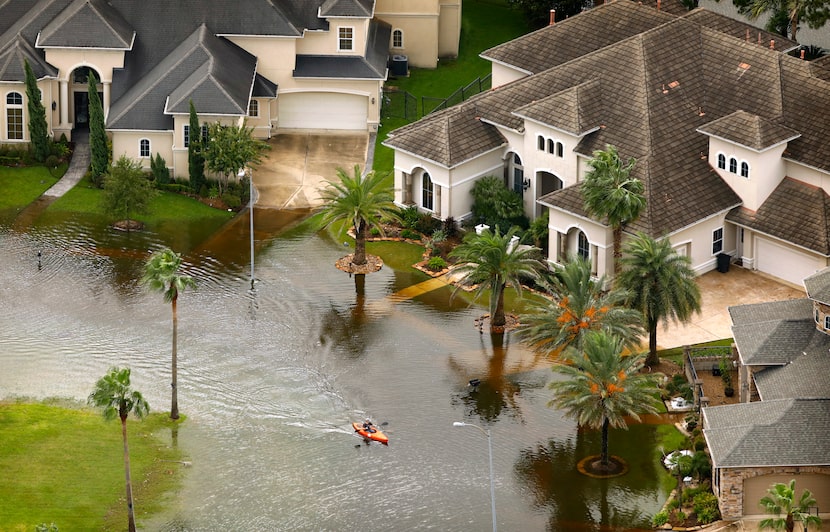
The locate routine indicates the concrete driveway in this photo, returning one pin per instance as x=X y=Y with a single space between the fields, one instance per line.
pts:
x=298 y=166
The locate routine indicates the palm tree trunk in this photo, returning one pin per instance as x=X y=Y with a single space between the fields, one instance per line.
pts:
x=174 y=401
x=130 y=511
x=604 y=453
x=359 y=245
x=617 y=232
x=498 y=318
x=653 y=358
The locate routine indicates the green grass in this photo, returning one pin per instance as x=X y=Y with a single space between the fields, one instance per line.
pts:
x=675 y=354
x=21 y=186
x=65 y=466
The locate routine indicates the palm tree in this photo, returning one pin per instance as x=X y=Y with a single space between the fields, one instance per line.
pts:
x=161 y=274
x=580 y=304
x=601 y=387
x=780 y=500
x=360 y=200
x=490 y=261
x=610 y=192
x=787 y=13
x=661 y=284
x=113 y=393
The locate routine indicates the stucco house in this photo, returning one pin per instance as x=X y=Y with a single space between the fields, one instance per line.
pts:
x=280 y=65
x=728 y=130
x=779 y=431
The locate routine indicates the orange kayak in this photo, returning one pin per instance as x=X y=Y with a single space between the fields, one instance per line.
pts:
x=373 y=433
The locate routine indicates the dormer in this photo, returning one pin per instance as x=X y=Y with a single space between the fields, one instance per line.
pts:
x=348 y=22
x=818 y=290
x=747 y=151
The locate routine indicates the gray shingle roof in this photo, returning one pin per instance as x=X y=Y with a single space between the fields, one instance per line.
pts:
x=805 y=376
x=818 y=286
x=13 y=57
x=88 y=24
x=372 y=66
x=761 y=433
x=347 y=8
x=795 y=212
x=749 y=130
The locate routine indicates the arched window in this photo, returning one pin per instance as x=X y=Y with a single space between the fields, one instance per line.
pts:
x=560 y=149
x=540 y=143
x=583 y=247
x=551 y=147
x=745 y=169
x=733 y=165
x=397 y=38
x=827 y=322
x=253 y=109
x=426 y=192
x=722 y=161
x=144 y=148
x=518 y=174
x=14 y=116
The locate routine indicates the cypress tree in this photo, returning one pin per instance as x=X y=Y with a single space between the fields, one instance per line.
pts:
x=99 y=152
x=37 y=117
x=195 y=149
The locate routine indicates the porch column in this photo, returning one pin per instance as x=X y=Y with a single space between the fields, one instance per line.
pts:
x=437 y=200
x=554 y=245
x=64 y=102
x=594 y=259
x=407 y=188
x=106 y=102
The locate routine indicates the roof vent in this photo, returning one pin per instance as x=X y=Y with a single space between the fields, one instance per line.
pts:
x=674 y=84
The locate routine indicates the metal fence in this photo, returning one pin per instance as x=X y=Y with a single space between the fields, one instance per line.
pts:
x=401 y=104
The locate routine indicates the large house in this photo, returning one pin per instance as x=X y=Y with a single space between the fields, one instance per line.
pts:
x=278 y=64
x=729 y=131
x=779 y=431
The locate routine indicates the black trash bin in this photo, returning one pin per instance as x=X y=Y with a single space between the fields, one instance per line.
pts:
x=723 y=262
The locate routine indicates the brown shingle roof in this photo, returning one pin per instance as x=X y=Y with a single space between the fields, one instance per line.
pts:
x=741 y=30
x=576 y=110
x=749 y=130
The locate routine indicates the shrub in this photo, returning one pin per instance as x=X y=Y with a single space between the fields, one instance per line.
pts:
x=232 y=200
x=680 y=516
x=175 y=187
x=450 y=227
x=427 y=224
x=410 y=217
x=374 y=231
x=410 y=234
x=203 y=190
x=496 y=205
x=673 y=504
x=51 y=161
x=436 y=264
x=213 y=193
x=706 y=507
x=660 y=518
x=159 y=168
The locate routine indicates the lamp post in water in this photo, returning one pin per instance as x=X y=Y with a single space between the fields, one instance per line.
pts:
x=486 y=432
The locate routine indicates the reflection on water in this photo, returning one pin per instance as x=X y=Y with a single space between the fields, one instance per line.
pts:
x=270 y=380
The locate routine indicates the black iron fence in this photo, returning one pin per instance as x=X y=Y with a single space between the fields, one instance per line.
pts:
x=402 y=104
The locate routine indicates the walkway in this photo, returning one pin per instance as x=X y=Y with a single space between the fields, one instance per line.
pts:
x=77 y=167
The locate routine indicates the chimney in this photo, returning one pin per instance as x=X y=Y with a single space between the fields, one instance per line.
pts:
x=747 y=35
x=772 y=44
x=759 y=37
x=552 y=17
x=802 y=53
x=658 y=5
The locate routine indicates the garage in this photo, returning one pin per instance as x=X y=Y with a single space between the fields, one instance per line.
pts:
x=784 y=262
x=322 y=110
x=756 y=487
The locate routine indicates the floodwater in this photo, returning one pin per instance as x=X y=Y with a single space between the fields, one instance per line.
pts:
x=271 y=378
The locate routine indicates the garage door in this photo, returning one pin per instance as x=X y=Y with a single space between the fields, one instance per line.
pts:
x=322 y=110
x=785 y=263
x=755 y=488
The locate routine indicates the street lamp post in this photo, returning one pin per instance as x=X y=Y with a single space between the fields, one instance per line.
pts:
x=486 y=432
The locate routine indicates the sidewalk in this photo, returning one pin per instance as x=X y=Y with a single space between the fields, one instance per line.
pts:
x=77 y=167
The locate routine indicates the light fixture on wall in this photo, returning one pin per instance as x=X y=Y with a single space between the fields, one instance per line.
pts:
x=526 y=184
x=54 y=105
x=373 y=100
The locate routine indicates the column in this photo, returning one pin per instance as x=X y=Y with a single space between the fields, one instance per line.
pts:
x=64 y=102
x=407 y=188
x=437 y=200
x=106 y=102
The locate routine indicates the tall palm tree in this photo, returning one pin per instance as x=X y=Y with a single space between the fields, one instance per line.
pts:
x=490 y=261
x=161 y=274
x=611 y=193
x=360 y=200
x=789 y=12
x=661 y=284
x=113 y=393
x=781 y=501
x=601 y=387
x=580 y=304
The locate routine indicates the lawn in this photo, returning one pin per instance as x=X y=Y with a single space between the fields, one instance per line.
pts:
x=65 y=465
x=21 y=186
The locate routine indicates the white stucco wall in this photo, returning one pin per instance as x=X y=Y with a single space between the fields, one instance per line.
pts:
x=766 y=170
x=504 y=74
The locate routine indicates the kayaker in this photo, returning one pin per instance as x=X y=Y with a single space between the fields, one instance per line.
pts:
x=368 y=427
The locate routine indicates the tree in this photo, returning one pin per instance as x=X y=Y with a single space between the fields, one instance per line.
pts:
x=230 y=149
x=126 y=190
x=113 y=393
x=496 y=205
x=38 y=131
x=537 y=12
x=661 y=284
x=602 y=387
x=781 y=501
x=161 y=274
x=360 y=200
x=786 y=15
x=611 y=193
x=491 y=261
x=99 y=151
x=580 y=304
x=195 y=152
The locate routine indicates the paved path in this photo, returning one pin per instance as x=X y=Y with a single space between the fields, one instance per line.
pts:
x=77 y=167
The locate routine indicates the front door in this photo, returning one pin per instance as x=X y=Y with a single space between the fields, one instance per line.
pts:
x=81 y=110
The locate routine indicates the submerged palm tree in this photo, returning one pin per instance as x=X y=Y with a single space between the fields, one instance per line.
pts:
x=661 y=284
x=580 y=304
x=113 y=393
x=491 y=261
x=360 y=200
x=602 y=387
x=161 y=274
x=781 y=501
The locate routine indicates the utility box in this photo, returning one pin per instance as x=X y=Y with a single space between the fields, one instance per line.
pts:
x=400 y=66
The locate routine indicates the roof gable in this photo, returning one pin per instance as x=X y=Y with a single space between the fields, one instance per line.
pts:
x=577 y=110
x=749 y=130
x=13 y=58
x=818 y=286
x=347 y=8
x=87 y=24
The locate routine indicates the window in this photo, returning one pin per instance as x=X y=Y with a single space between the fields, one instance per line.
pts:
x=551 y=147
x=426 y=191
x=397 y=39
x=14 y=116
x=745 y=169
x=815 y=313
x=345 y=39
x=205 y=132
x=144 y=148
x=827 y=322
x=186 y=136
x=540 y=143
x=733 y=165
x=560 y=149
x=583 y=248
x=253 y=109
x=518 y=174
x=717 y=240
x=722 y=161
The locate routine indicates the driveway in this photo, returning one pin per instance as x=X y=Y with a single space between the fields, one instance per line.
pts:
x=299 y=165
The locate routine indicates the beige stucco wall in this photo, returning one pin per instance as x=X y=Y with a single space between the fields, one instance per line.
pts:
x=420 y=37
x=697 y=241
x=127 y=143
x=811 y=176
x=449 y=28
x=326 y=42
x=49 y=93
x=503 y=74
x=68 y=59
x=766 y=170
x=275 y=56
